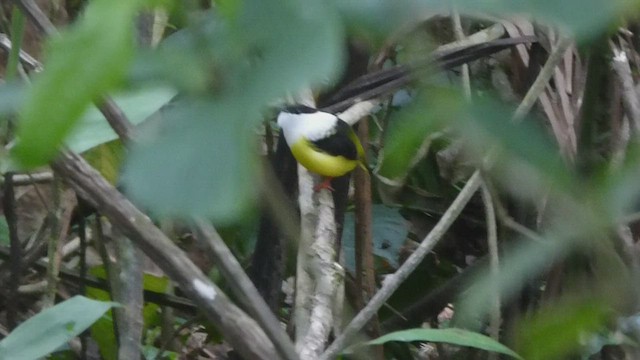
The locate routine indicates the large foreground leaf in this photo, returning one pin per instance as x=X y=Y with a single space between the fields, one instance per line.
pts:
x=202 y=162
x=450 y=336
x=52 y=328
x=83 y=64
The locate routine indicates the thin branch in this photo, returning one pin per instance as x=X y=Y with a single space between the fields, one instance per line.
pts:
x=543 y=78
x=127 y=288
x=32 y=179
x=53 y=246
x=244 y=289
x=25 y=58
x=457 y=29
x=17 y=33
x=620 y=64
x=494 y=264
x=82 y=235
x=72 y=277
x=393 y=281
x=9 y=207
x=117 y=119
x=365 y=271
x=37 y=16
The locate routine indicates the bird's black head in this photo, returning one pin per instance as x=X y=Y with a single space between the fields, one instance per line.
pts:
x=299 y=109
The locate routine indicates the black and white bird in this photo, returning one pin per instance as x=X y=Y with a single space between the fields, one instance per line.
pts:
x=321 y=142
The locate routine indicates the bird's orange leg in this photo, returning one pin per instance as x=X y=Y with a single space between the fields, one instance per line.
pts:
x=325 y=184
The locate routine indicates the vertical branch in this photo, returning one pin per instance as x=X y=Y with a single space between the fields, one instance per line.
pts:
x=127 y=290
x=318 y=275
x=9 y=205
x=365 y=272
x=620 y=64
x=82 y=235
x=304 y=282
x=457 y=29
x=326 y=276
x=243 y=288
x=17 y=33
x=53 y=266
x=494 y=265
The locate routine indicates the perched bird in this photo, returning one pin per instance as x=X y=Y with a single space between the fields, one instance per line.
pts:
x=321 y=142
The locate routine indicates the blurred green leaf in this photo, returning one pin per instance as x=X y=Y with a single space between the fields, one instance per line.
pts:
x=84 y=62
x=576 y=16
x=4 y=231
x=450 y=336
x=389 y=233
x=93 y=129
x=556 y=330
x=200 y=162
x=107 y=159
x=11 y=98
x=195 y=165
x=52 y=328
x=431 y=111
x=518 y=265
x=488 y=123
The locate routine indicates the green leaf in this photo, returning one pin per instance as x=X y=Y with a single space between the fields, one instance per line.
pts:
x=555 y=331
x=576 y=16
x=488 y=123
x=196 y=165
x=389 y=233
x=83 y=64
x=93 y=129
x=4 y=231
x=413 y=125
x=52 y=328
x=199 y=160
x=11 y=98
x=450 y=336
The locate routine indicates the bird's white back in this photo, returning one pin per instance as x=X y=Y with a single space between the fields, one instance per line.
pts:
x=313 y=126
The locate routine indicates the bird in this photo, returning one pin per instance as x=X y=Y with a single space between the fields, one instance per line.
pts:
x=321 y=142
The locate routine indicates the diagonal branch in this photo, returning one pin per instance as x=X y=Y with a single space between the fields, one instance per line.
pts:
x=244 y=289
x=242 y=332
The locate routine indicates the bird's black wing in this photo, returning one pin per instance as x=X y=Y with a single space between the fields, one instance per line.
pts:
x=339 y=143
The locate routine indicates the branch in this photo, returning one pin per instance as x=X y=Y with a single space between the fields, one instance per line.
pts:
x=620 y=64
x=243 y=288
x=242 y=332
x=318 y=276
x=492 y=241
x=9 y=207
x=393 y=281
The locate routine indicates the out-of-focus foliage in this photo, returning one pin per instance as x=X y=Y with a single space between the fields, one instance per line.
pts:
x=201 y=94
x=249 y=60
x=90 y=61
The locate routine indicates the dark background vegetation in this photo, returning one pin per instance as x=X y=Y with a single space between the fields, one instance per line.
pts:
x=124 y=123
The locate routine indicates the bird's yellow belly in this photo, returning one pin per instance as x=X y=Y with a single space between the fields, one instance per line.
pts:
x=319 y=162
